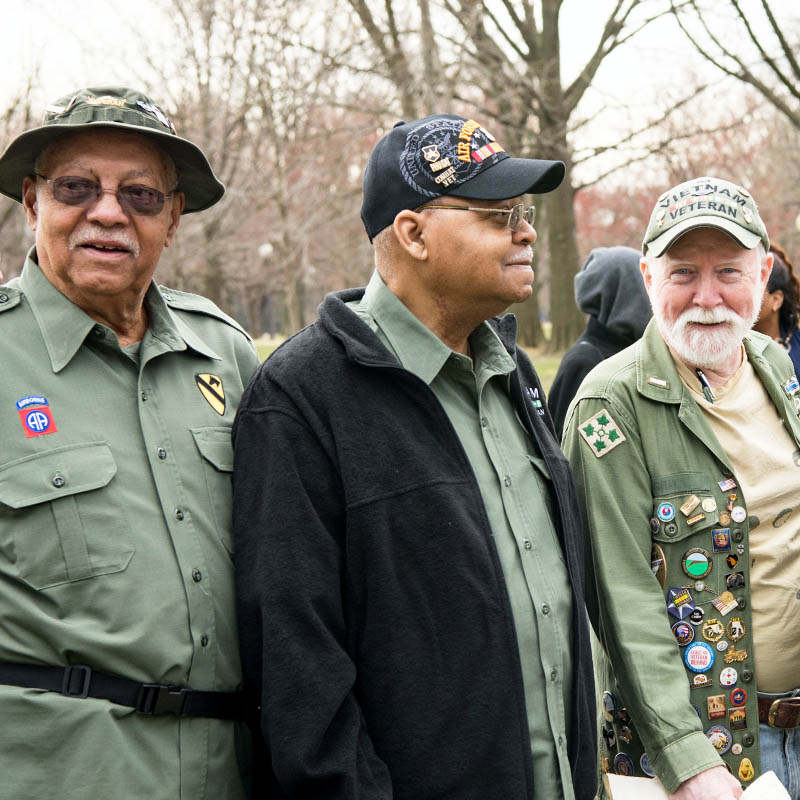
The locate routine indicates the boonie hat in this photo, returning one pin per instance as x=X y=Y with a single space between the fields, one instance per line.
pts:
x=704 y=203
x=112 y=107
x=444 y=154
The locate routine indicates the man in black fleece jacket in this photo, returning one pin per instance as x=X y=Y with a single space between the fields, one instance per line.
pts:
x=410 y=572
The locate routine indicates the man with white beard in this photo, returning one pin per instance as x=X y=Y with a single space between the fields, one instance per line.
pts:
x=685 y=450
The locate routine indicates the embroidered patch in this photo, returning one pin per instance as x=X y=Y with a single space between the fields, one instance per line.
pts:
x=601 y=433
x=37 y=419
x=210 y=387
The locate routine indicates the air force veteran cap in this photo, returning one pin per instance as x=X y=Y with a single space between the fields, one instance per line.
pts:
x=445 y=155
x=704 y=203
x=112 y=107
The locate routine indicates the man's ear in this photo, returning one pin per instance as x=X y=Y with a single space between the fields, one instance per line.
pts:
x=766 y=268
x=409 y=230
x=178 y=204
x=29 y=201
x=647 y=276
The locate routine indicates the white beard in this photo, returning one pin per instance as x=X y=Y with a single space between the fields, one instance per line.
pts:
x=706 y=348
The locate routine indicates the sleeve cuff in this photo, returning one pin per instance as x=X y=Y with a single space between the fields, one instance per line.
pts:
x=683 y=759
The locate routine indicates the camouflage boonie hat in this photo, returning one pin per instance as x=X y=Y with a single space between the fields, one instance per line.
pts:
x=112 y=107
x=704 y=203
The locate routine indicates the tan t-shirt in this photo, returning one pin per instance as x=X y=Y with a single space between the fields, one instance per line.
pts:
x=766 y=463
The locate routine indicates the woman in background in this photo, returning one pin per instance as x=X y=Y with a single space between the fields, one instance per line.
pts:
x=780 y=307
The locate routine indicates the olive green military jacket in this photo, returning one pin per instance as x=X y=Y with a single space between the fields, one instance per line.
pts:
x=115 y=542
x=640 y=450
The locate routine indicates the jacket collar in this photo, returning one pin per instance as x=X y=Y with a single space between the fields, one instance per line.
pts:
x=363 y=346
x=64 y=326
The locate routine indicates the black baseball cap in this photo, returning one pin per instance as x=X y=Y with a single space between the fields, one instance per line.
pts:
x=445 y=154
x=112 y=107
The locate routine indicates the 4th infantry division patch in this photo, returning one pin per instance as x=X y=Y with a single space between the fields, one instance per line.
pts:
x=601 y=433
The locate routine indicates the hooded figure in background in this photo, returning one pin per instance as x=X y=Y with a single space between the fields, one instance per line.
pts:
x=610 y=290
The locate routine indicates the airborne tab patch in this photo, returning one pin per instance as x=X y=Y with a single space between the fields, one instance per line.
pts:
x=210 y=387
x=601 y=433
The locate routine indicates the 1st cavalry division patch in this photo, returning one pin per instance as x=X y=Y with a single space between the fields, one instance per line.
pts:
x=601 y=433
x=210 y=387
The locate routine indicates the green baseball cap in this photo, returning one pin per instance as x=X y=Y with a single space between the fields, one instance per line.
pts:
x=112 y=107
x=704 y=203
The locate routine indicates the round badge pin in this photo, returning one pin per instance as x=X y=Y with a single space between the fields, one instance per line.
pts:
x=724 y=518
x=720 y=737
x=696 y=562
x=736 y=749
x=738 y=514
x=655 y=525
x=709 y=505
x=738 y=697
x=665 y=512
x=728 y=676
x=736 y=629
x=713 y=630
x=696 y=617
x=683 y=632
x=644 y=763
x=699 y=657
x=623 y=764
x=722 y=646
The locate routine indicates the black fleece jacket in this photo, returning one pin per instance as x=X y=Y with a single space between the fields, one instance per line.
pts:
x=375 y=624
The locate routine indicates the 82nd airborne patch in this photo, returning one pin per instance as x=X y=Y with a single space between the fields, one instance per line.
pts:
x=601 y=433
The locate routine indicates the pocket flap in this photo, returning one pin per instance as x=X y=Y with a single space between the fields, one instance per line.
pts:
x=215 y=446
x=56 y=473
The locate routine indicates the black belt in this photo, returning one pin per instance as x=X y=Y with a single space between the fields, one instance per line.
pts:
x=78 y=680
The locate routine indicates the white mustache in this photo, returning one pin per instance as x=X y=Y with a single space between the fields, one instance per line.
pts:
x=707 y=316
x=119 y=239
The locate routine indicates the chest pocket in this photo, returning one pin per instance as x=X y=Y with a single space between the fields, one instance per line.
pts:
x=216 y=449
x=64 y=520
x=685 y=521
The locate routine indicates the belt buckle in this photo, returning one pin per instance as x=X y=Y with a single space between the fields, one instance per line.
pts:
x=84 y=678
x=775 y=708
x=155 y=698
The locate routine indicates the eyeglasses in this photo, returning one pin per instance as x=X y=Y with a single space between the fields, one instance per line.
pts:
x=515 y=214
x=144 y=201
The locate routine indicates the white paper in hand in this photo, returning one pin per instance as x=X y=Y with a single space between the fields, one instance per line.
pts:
x=620 y=787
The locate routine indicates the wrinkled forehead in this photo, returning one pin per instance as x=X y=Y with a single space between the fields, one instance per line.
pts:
x=133 y=152
x=707 y=244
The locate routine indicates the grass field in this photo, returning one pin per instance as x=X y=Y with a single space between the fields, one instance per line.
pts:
x=546 y=363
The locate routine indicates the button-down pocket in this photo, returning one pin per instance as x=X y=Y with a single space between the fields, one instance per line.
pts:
x=65 y=522
x=690 y=491
x=216 y=448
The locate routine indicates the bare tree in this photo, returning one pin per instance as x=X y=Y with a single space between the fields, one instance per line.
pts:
x=15 y=238
x=753 y=42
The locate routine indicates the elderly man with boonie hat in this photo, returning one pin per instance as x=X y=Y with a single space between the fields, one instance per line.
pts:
x=408 y=550
x=684 y=448
x=119 y=665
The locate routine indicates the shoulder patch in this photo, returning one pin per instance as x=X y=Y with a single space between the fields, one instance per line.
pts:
x=601 y=433
x=9 y=297
x=185 y=301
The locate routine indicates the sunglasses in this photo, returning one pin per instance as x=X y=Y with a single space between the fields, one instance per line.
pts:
x=143 y=201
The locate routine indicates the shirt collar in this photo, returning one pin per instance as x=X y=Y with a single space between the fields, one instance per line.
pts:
x=65 y=326
x=420 y=350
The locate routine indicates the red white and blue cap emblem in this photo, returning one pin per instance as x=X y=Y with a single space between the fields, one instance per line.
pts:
x=36 y=416
x=665 y=512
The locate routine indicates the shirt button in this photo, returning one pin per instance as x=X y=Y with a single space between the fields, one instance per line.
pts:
x=737 y=535
x=197 y=576
x=3 y=298
x=553 y=674
x=204 y=640
x=560 y=740
x=742 y=603
x=484 y=422
x=178 y=514
x=506 y=480
x=98 y=331
x=58 y=481
x=162 y=453
x=526 y=543
x=545 y=609
x=144 y=397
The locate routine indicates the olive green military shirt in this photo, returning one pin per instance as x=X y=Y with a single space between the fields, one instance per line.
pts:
x=115 y=542
x=655 y=485
x=513 y=482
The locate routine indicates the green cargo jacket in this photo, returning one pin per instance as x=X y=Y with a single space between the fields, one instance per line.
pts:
x=636 y=440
